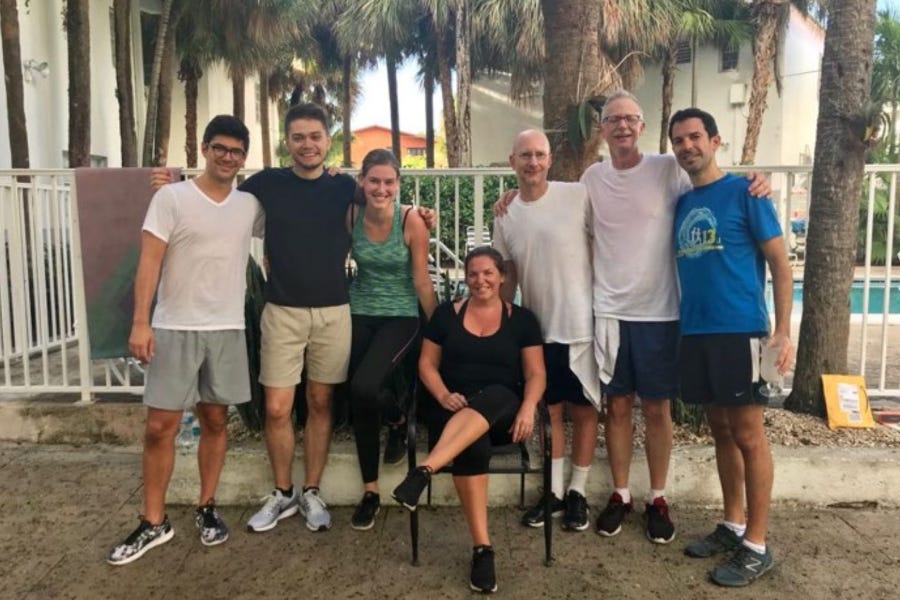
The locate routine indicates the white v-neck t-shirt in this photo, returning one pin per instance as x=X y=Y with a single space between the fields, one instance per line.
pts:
x=203 y=278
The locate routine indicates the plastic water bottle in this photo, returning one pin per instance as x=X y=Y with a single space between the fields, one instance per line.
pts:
x=185 y=437
x=195 y=430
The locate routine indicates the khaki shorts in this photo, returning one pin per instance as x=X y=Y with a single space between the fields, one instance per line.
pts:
x=290 y=335
x=197 y=366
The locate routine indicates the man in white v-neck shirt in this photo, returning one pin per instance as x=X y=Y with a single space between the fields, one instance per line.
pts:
x=194 y=250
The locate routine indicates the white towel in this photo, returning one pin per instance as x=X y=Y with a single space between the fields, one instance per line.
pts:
x=606 y=346
x=584 y=365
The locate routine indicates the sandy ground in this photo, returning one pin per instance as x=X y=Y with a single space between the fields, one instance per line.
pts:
x=63 y=509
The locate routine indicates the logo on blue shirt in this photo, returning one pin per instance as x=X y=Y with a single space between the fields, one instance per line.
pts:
x=698 y=234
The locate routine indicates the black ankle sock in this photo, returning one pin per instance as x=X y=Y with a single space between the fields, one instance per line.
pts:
x=312 y=487
x=286 y=493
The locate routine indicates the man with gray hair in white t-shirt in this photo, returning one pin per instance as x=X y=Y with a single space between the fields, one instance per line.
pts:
x=545 y=238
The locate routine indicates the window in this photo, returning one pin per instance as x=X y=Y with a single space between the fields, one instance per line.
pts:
x=683 y=52
x=415 y=151
x=729 y=58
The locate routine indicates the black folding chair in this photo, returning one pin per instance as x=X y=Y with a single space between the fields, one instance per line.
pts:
x=521 y=466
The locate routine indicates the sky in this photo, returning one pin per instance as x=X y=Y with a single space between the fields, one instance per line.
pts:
x=373 y=107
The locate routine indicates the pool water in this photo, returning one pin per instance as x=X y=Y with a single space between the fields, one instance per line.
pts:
x=876 y=297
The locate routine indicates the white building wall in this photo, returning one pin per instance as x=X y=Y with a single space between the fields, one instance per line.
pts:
x=496 y=120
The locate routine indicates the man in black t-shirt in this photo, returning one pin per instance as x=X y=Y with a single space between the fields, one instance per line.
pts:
x=307 y=313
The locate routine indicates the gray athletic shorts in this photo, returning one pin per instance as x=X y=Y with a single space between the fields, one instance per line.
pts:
x=197 y=366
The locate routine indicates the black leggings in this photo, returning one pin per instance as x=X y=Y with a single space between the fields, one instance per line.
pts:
x=498 y=405
x=379 y=345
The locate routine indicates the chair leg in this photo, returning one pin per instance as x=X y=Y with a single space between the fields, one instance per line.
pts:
x=522 y=491
x=414 y=536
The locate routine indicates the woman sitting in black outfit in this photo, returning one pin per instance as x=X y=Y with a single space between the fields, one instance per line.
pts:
x=482 y=360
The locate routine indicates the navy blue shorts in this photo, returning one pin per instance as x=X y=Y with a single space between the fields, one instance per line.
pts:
x=647 y=360
x=721 y=369
x=562 y=383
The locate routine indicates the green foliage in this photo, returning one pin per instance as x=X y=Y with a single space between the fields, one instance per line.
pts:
x=879 y=223
x=689 y=415
x=494 y=185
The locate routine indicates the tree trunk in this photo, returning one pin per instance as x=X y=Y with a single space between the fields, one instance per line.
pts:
x=164 y=112
x=347 y=108
x=150 y=121
x=464 y=83
x=265 y=137
x=836 y=190
x=79 y=49
x=668 y=91
x=125 y=82
x=190 y=74
x=694 y=45
x=238 y=105
x=15 y=90
x=395 y=107
x=429 y=120
x=765 y=47
x=576 y=71
x=445 y=76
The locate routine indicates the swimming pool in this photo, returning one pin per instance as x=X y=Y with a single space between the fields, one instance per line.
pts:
x=876 y=297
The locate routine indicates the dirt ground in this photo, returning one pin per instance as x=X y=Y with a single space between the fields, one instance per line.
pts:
x=63 y=508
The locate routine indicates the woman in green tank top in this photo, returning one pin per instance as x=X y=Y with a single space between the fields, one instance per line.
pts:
x=389 y=243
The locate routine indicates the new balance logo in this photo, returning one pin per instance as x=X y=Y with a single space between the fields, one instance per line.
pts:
x=753 y=565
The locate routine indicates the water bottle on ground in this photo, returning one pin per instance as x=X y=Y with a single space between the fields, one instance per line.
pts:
x=767 y=369
x=186 y=439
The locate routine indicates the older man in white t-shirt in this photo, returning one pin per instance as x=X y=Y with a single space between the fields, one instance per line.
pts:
x=545 y=238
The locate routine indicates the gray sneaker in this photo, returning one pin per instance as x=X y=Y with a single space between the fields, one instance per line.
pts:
x=315 y=510
x=742 y=568
x=277 y=507
x=722 y=539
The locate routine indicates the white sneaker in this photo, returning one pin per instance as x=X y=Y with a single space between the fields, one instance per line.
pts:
x=315 y=510
x=277 y=507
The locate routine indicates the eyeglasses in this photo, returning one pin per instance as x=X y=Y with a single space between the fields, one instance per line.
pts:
x=527 y=156
x=219 y=151
x=616 y=119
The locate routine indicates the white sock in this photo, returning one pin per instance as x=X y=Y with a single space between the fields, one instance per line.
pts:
x=758 y=548
x=654 y=494
x=625 y=493
x=579 y=478
x=737 y=528
x=556 y=477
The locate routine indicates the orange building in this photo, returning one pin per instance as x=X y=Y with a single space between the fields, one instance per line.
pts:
x=376 y=136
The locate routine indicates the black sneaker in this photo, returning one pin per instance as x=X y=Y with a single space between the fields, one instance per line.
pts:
x=660 y=529
x=534 y=516
x=212 y=528
x=577 y=512
x=395 y=447
x=143 y=538
x=609 y=523
x=364 y=515
x=722 y=539
x=409 y=490
x=483 y=578
x=742 y=568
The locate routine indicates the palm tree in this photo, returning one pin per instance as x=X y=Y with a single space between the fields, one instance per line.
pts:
x=841 y=144
x=78 y=43
x=770 y=19
x=886 y=74
x=150 y=122
x=387 y=28
x=15 y=93
x=125 y=82
x=577 y=73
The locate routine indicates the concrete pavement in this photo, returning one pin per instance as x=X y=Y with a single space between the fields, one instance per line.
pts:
x=63 y=507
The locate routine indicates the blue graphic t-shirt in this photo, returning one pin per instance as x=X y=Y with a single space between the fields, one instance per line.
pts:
x=721 y=269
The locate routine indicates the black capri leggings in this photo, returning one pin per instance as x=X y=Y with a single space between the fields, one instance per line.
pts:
x=378 y=346
x=498 y=405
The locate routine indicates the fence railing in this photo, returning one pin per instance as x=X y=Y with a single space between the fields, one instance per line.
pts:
x=44 y=341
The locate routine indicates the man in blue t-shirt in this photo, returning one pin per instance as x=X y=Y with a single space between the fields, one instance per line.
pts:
x=723 y=240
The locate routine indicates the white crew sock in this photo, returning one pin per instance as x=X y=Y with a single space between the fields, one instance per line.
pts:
x=654 y=494
x=579 y=478
x=556 y=477
x=737 y=528
x=758 y=548
x=625 y=493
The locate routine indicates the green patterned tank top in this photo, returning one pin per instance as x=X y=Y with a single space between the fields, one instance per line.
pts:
x=383 y=286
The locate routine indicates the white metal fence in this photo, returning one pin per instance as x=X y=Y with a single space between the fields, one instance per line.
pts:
x=44 y=347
